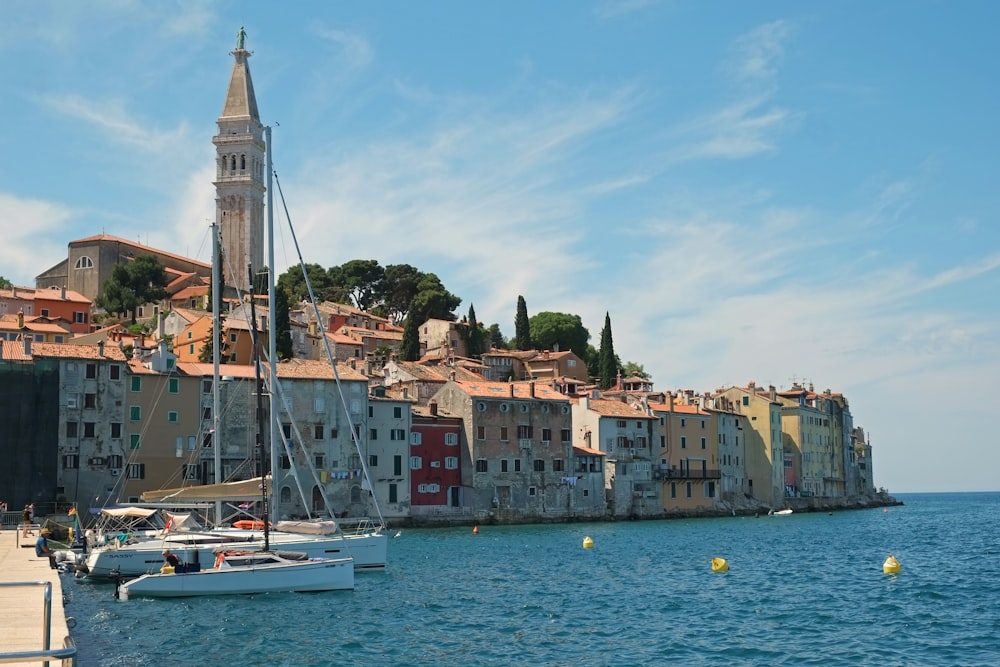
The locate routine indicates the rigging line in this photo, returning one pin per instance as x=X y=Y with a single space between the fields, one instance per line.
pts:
x=329 y=352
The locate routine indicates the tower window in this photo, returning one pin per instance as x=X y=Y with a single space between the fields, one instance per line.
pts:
x=233 y=164
x=243 y=163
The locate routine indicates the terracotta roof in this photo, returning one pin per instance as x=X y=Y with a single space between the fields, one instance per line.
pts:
x=43 y=293
x=138 y=246
x=190 y=291
x=587 y=451
x=501 y=390
x=188 y=314
x=679 y=408
x=111 y=352
x=616 y=409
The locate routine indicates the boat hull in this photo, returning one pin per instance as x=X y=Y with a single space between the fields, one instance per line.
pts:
x=297 y=577
x=368 y=551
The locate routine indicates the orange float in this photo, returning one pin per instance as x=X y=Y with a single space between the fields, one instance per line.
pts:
x=247 y=524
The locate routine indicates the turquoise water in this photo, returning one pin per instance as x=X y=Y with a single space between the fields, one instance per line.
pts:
x=805 y=589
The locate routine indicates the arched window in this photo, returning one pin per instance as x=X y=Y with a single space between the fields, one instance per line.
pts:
x=232 y=164
x=355 y=494
x=243 y=163
x=317 y=499
x=286 y=494
x=84 y=263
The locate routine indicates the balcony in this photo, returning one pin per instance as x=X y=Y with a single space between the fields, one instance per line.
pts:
x=688 y=474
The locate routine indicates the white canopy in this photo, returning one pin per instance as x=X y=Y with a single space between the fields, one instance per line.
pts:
x=243 y=491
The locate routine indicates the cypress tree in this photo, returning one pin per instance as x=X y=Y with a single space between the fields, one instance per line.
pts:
x=522 y=330
x=475 y=339
x=409 y=347
x=607 y=368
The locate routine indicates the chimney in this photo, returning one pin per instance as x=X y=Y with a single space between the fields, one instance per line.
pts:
x=531 y=389
x=434 y=408
x=406 y=394
x=451 y=376
x=161 y=327
x=774 y=393
x=27 y=344
x=670 y=401
x=20 y=319
x=100 y=348
x=62 y=293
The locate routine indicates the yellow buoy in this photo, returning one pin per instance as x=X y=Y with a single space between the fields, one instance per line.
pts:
x=891 y=565
x=588 y=543
x=719 y=565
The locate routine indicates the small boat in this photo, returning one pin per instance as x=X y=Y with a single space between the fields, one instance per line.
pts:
x=242 y=572
x=719 y=565
x=891 y=565
x=783 y=512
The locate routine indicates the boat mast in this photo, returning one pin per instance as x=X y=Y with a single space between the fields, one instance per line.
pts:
x=272 y=327
x=216 y=344
x=258 y=381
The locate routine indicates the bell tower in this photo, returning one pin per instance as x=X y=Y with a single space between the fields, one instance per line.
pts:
x=239 y=175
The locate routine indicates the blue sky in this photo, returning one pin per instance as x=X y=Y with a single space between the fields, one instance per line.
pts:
x=767 y=191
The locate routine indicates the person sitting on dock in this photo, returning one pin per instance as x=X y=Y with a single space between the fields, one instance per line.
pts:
x=170 y=560
x=42 y=548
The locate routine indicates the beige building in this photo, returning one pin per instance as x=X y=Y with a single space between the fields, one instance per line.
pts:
x=764 y=444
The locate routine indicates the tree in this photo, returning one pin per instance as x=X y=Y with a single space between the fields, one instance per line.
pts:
x=294 y=284
x=475 y=336
x=496 y=337
x=399 y=288
x=5 y=284
x=562 y=331
x=133 y=284
x=522 y=327
x=282 y=324
x=362 y=280
x=433 y=300
x=607 y=362
x=409 y=347
x=630 y=369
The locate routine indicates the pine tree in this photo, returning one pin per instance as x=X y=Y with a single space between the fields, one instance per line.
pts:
x=522 y=330
x=607 y=366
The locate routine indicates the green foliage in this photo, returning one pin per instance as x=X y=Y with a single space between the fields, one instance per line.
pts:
x=294 y=284
x=630 y=369
x=551 y=331
x=522 y=327
x=399 y=288
x=475 y=337
x=409 y=347
x=133 y=284
x=5 y=284
x=495 y=337
x=282 y=324
x=362 y=280
x=607 y=365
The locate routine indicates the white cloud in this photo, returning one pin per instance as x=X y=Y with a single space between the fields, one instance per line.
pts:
x=354 y=50
x=35 y=224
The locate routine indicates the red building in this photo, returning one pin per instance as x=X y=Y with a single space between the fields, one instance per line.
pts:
x=435 y=460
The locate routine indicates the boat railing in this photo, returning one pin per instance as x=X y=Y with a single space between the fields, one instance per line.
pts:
x=67 y=654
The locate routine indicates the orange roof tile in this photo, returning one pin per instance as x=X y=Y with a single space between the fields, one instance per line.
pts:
x=616 y=409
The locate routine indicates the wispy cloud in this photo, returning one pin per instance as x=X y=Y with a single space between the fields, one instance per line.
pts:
x=114 y=121
x=755 y=57
x=354 y=50
x=34 y=224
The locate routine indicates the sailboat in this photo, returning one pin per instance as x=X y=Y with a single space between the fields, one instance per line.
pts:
x=243 y=571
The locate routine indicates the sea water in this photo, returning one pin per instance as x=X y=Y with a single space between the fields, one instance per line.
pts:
x=802 y=589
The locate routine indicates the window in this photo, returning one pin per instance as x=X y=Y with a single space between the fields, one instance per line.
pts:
x=373 y=460
x=172 y=416
x=90 y=401
x=84 y=263
x=89 y=429
x=192 y=471
x=397 y=434
x=318 y=460
x=115 y=461
x=134 y=413
x=703 y=443
x=397 y=465
x=503 y=434
x=565 y=435
x=481 y=465
x=663 y=441
x=451 y=438
x=136 y=383
x=397 y=412
x=539 y=465
x=684 y=442
x=546 y=435
x=285 y=462
x=746 y=400
x=286 y=430
x=416 y=463
x=621 y=423
x=206 y=386
x=373 y=434
x=91 y=372
x=504 y=465
x=710 y=490
x=451 y=463
x=480 y=433
x=416 y=438
x=137 y=471
x=393 y=494
x=673 y=489
x=517 y=465
x=133 y=441
x=557 y=465
x=70 y=461
x=115 y=372
x=333 y=433
x=525 y=432
x=688 y=489
x=317 y=431
x=71 y=429
x=532 y=491
x=371 y=411
x=703 y=423
x=174 y=385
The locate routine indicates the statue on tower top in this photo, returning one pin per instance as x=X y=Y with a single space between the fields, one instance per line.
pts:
x=241 y=37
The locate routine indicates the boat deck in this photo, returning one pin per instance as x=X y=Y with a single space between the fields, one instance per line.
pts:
x=22 y=608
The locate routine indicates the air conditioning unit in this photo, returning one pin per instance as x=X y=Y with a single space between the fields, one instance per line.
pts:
x=114 y=473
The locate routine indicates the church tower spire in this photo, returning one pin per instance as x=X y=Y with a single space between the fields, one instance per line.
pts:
x=239 y=174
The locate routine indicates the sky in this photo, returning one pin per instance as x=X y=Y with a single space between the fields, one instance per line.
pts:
x=770 y=191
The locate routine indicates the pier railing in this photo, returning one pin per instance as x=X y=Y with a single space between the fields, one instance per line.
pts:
x=66 y=654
